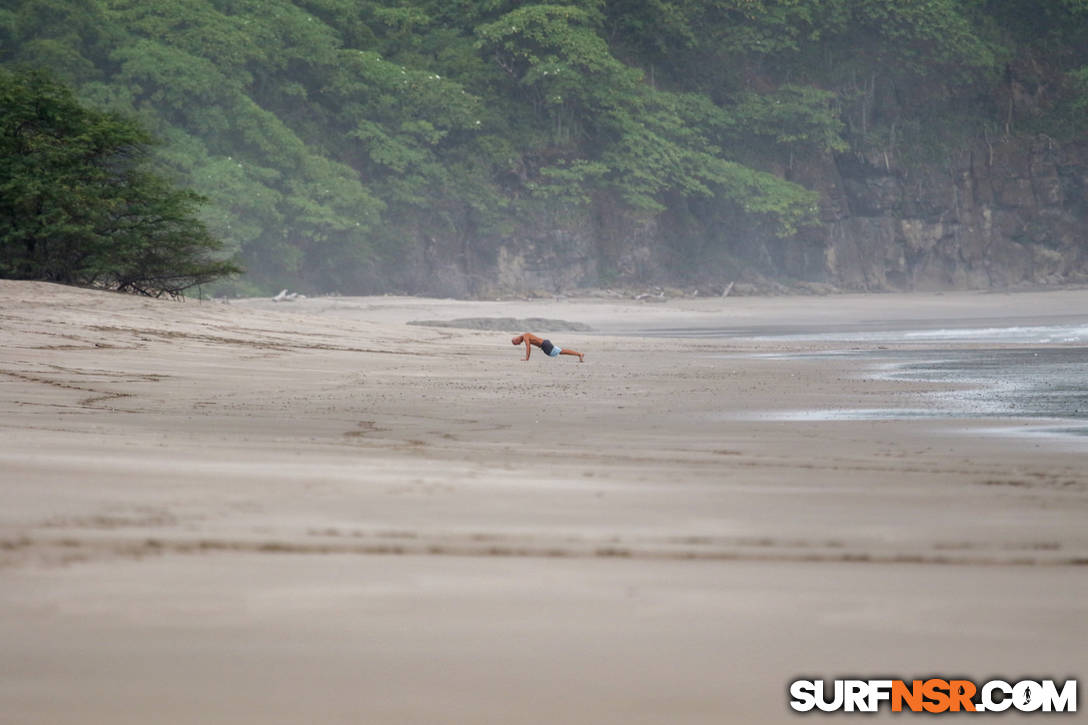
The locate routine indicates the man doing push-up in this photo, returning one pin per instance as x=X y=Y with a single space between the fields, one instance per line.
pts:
x=545 y=345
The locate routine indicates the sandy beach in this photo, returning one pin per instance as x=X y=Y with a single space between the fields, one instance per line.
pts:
x=312 y=511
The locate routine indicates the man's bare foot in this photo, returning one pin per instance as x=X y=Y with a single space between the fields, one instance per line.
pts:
x=581 y=358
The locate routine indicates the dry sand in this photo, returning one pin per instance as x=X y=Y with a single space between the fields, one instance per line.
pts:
x=313 y=512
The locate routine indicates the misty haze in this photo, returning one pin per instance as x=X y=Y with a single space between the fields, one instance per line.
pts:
x=649 y=361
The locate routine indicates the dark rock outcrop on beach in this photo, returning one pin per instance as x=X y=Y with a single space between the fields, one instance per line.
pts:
x=506 y=324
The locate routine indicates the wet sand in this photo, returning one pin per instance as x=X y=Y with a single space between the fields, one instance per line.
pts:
x=313 y=511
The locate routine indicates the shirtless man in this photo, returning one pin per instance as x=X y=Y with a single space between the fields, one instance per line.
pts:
x=546 y=345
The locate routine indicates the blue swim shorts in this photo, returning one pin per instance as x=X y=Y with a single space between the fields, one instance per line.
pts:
x=555 y=351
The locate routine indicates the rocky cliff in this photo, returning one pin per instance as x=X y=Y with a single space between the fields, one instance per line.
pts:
x=994 y=215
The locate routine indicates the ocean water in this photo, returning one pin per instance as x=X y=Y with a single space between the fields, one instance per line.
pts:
x=1040 y=381
x=1035 y=335
x=1027 y=382
x=1043 y=378
x=1048 y=385
x=917 y=332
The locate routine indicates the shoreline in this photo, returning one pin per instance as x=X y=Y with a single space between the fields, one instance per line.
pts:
x=317 y=511
x=628 y=317
x=1036 y=385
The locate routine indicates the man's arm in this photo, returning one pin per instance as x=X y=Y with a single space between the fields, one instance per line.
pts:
x=528 y=347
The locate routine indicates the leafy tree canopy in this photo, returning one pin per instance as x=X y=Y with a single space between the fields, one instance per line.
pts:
x=334 y=138
x=80 y=205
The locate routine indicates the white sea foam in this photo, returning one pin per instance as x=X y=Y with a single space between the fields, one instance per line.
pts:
x=1044 y=383
x=1036 y=334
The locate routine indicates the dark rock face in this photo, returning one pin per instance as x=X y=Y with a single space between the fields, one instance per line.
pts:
x=1007 y=213
x=992 y=216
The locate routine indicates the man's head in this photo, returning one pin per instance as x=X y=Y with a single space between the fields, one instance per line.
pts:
x=517 y=340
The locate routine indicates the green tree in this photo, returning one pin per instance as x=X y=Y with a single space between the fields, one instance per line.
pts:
x=339 y=141
x=613 y=131
x=80 y=205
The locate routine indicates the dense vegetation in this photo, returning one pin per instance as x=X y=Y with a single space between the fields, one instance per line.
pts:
x=79 y=205
x=355 y=145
